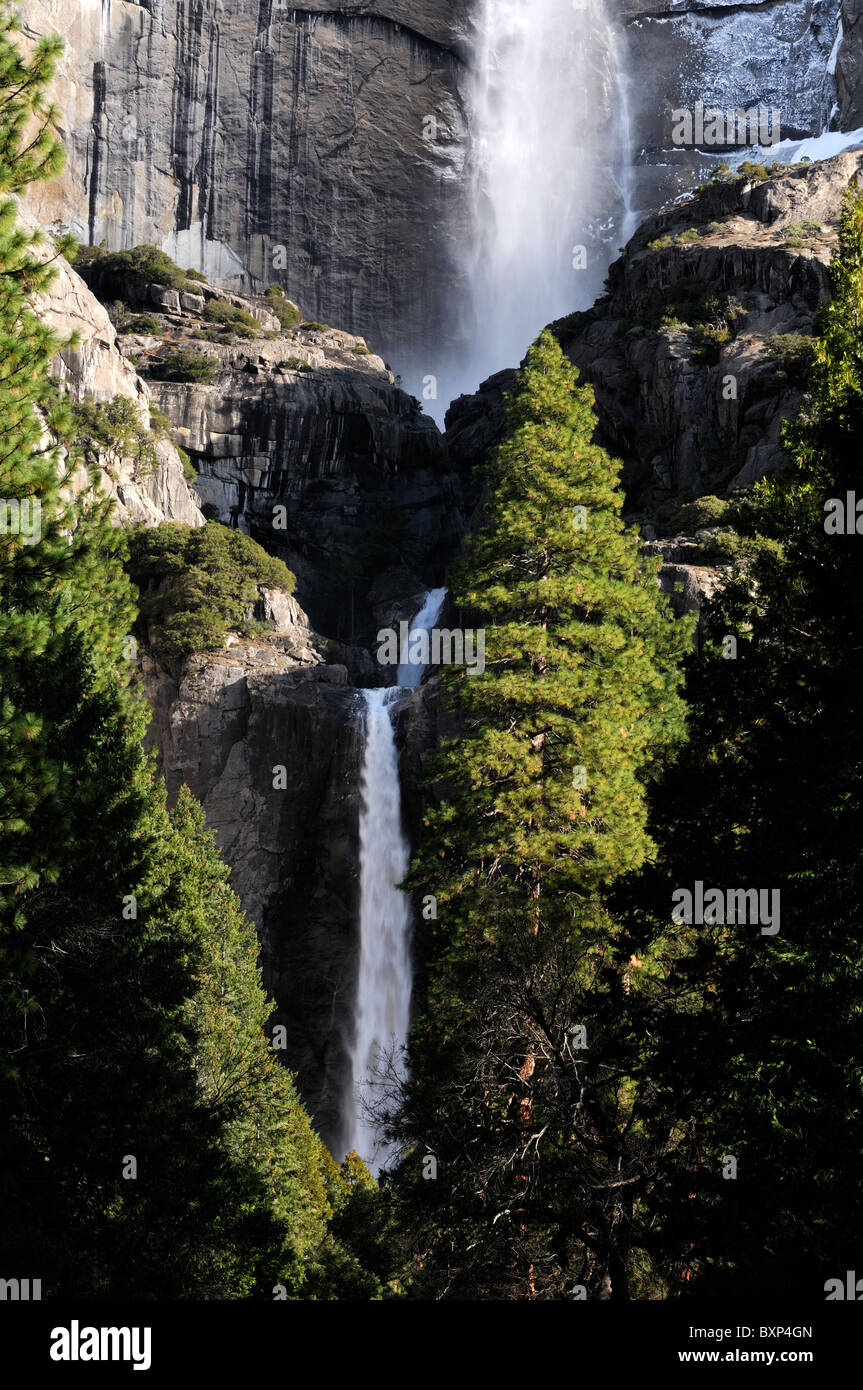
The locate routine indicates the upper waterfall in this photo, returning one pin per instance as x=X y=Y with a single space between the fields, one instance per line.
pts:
x=548 y=172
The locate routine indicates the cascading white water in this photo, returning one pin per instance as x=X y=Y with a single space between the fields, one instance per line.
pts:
x=410 y=673
x=549 y=172
x=382 y=1012
x=382 y=1015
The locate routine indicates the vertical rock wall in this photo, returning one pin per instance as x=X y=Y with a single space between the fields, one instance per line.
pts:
x=261 y=142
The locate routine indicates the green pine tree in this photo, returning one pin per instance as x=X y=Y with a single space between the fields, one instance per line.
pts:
x=762 y=1044
x=293 y=1184
x=150 y=1144
x=532 y=1122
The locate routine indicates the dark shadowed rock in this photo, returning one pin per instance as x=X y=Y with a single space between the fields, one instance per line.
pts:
x=306 y=443
x=689 y=353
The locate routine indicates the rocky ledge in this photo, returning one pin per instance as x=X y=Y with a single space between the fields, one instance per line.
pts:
x=303 y=438
x=696 y=353
x=97 y=370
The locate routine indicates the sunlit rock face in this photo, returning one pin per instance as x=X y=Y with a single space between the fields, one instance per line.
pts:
x=684 y=419
x=96 y=370
x=269 y=143
x=417 y=170
x=780 y=56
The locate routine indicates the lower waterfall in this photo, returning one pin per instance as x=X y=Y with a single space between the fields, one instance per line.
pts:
x=382 y=1014
x=410 y=672
x=385 y=978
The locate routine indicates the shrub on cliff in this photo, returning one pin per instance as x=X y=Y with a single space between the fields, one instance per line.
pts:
x=199 y=583
x=232 y=318
x=703 y=511
x=145 y=323
x=794 y=352
x=112 y=433
x=184 y=365
x=754 y=172
x=805 y=233
x=126 y=274
x=287 y=313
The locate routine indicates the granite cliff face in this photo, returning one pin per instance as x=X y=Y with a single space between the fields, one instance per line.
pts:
x=778 y=54
x=690 y=351
x=849 y=65
x=269 y=143
x=326 y=147
x=304 y=440
x=224 y=728
x=689 y=354
x=97 y=370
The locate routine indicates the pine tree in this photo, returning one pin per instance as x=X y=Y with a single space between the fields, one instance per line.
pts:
x=764 y=1046
x=150 y=1144
x=520 y=1088
x=34 y=612
x=266 y=1131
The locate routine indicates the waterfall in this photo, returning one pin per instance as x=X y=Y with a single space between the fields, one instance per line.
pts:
x=550 y=172
x=382 y=1012
x=410 y=673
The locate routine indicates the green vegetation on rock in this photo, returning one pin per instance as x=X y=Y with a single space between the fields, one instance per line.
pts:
x=109 y=434
x=794 y=352
x=229 y=316
x=184 y=365
x=145 y=323
x=287 y=314
x=114 y=274
x=199 y=583
x=804 y=233
x=703 y=511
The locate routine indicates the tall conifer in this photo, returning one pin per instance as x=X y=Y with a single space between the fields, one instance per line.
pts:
x=150 y=1143
x=764 y=1044
x=519 y=1071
